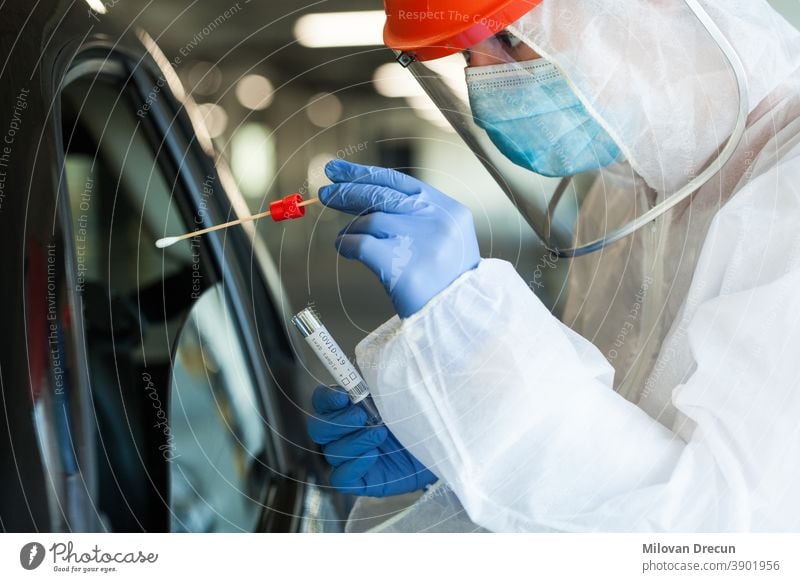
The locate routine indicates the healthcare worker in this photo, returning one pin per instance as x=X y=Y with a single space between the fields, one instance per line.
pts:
x=667 y=396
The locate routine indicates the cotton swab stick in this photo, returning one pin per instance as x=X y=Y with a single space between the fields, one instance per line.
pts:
x=292 y=206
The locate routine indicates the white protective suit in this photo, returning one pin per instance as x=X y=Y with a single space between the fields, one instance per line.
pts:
x=668 y=399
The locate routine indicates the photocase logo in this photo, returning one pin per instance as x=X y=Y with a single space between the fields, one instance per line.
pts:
x=31 y=555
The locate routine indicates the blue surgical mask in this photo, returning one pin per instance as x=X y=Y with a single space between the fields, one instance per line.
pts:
x=536 y=120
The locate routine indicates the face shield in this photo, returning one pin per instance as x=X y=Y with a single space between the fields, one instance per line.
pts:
x=571 y=92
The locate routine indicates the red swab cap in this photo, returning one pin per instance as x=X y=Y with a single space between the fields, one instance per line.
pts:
x=287 y=208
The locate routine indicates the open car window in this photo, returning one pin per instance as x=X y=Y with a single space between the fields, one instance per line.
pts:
x=179 y=426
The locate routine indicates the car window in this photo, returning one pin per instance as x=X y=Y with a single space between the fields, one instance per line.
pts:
x=216 y=438
x=174 y=447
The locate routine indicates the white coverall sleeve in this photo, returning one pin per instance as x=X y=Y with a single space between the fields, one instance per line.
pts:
x=516 y=413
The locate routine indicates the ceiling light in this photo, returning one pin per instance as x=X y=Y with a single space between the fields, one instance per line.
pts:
x=97 y=6
x=332 y=29
x=254 y=92
x=324 y=109
x=392 y=80
x=215 y=117
x=204 y=78
x=253 y=159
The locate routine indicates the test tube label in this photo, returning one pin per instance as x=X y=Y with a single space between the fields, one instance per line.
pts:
x=337 y=363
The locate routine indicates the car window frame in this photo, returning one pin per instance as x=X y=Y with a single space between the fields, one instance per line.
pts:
x=182 y=161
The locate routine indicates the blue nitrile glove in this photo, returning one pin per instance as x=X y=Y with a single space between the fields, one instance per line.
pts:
x=366 y=460
x=416 y=239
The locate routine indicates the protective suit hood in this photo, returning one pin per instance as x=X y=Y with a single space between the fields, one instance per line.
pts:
x=686 y=101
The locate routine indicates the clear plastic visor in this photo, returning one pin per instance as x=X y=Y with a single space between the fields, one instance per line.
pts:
x=518 y=115
x=552 y=156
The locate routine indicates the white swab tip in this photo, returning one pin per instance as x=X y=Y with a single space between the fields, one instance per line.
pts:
x=165 y=242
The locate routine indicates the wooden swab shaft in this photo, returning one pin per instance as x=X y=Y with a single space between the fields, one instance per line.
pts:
x=195 y=233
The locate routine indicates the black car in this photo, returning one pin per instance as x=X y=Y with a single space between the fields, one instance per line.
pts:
x=142 y=389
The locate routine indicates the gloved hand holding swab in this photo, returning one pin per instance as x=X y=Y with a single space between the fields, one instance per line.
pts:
x=287 y=208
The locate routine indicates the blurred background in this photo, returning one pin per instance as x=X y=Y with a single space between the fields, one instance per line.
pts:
x=287 y=86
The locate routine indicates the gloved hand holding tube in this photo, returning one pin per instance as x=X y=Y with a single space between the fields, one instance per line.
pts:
x=366 y=460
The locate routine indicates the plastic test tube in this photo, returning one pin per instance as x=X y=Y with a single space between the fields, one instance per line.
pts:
x=332 y=357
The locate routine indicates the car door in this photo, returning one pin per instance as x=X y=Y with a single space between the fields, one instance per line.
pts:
x=192 y=380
